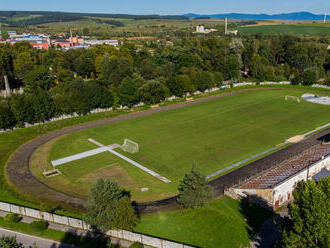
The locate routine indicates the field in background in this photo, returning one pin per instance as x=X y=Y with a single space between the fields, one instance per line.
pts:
x=130 y=25
x=99 y=25
x=275 y=28
x=213 y=134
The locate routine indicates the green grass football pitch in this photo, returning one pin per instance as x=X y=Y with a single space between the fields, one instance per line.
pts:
x=213 y=134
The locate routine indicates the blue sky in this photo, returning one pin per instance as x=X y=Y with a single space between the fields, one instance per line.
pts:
x=170 y=6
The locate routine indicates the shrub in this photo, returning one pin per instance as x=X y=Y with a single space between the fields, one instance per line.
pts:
x=39 y=226
x=12 y=218
x=136 y=245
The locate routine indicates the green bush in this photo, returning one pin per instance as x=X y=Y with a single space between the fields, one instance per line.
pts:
x=12 y=218
x=39 y=226
x=136 y=245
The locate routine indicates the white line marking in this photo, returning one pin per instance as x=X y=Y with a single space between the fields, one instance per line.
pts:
x=245 y=160
x=260 y=154
x=164 y=179
x=78 y=156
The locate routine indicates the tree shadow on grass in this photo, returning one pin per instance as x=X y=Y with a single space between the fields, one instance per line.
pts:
x=254 y=214
x=89 y=239
x=262 y=222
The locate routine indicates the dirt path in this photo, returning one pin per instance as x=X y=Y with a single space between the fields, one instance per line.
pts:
x=19 y=175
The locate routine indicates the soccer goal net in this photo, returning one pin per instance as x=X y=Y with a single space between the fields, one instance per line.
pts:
x=130 y=146
x=292 y=98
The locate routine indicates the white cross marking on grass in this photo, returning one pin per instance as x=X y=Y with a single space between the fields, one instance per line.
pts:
x=103 y=148
x=164 y=179
x=78 y=156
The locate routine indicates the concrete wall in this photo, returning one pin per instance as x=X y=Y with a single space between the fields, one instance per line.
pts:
x=79 y=224
x=283 y=191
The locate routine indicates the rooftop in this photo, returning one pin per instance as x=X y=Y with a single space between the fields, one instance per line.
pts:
x=288 y=168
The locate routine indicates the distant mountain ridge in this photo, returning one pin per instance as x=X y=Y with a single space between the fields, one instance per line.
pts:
x=295 y=16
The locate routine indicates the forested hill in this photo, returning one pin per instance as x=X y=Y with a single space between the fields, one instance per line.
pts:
x=296 y=16
x=25 y=18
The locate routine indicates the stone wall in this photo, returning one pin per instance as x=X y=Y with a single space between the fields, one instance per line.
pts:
x=79 y=224
x=283 y=192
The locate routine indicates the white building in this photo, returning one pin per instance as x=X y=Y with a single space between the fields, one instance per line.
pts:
x=200 y=29
x=274 y=187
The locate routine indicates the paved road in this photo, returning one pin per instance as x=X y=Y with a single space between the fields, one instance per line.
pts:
x=29 y=240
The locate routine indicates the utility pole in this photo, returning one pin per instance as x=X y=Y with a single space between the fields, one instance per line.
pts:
x=226 y=24
x=7 y=87
x=71 y=44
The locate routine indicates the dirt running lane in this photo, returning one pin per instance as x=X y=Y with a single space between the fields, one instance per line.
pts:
x=19 y=175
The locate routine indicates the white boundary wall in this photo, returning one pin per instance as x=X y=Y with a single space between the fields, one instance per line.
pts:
x=79 y=224
x=284 y=189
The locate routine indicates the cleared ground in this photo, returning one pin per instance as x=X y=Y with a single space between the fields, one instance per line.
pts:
x=213 y=134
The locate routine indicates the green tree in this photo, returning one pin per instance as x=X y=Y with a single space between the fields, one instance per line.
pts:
x=231 y=67
x=309 y=77
x=6 y=66
x=10 y=242
x=84 y=64
x=152 y=92
x=129 y=92
x=24 y=63
x=310 y=216
x=42 y=105
x=22 y=109
x=194 y=191
x=179 y=85
x=327 y=80
x=4 y=34
x=39 y=78
x=109 y=207
x=205 y=80
x=7 y=118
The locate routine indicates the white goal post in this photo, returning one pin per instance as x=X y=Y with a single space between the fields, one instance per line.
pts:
x=292 y=98
x=130 y=146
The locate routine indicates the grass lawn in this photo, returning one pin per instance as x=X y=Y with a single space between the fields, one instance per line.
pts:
x=213 y=134
x=304 y=29
x=63 y=237
x=213 y=225
x=10 y=141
